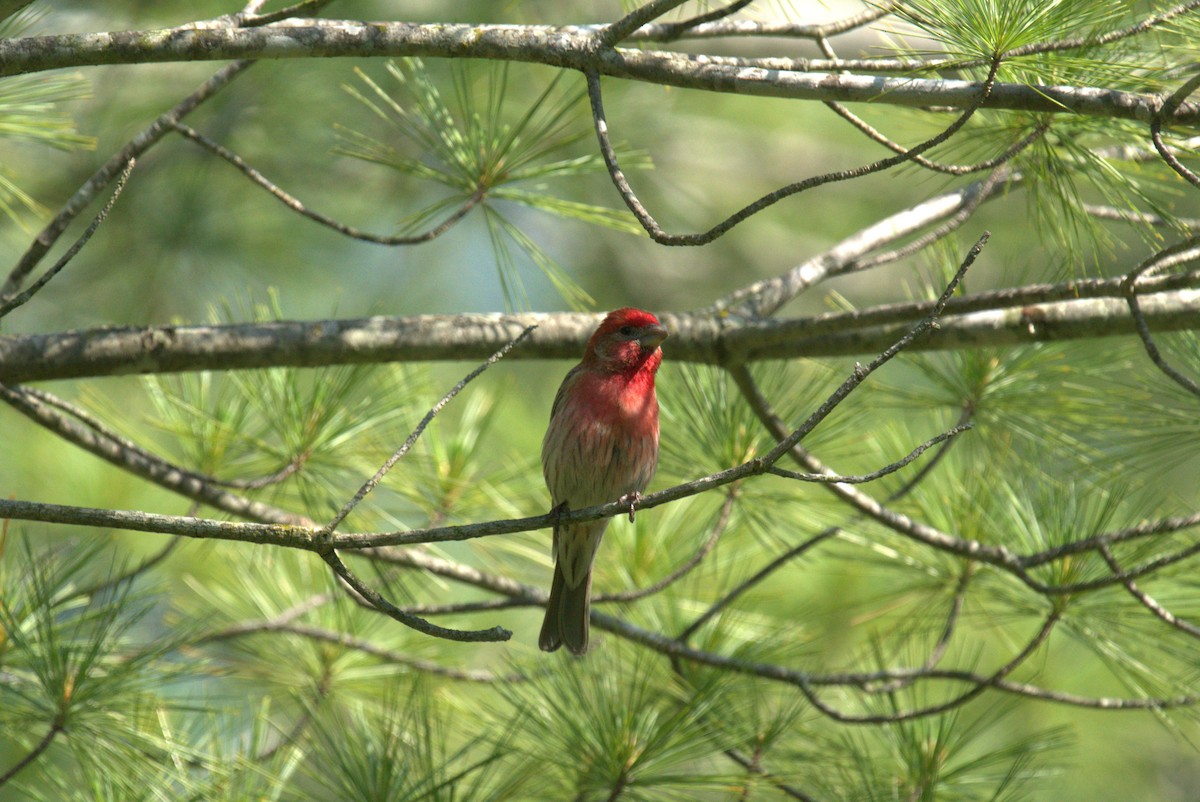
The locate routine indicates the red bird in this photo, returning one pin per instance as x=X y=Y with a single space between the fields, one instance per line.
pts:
x=601 y=446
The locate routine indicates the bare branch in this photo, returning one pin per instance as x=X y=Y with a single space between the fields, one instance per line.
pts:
x=297 y=206
x=9 y=304
x=371 y=483
x=1004 y=317
x=93 y=437
x=873 y=475
x=117 y=163
x=569 y=47
x=660 y=236
x=408 y=619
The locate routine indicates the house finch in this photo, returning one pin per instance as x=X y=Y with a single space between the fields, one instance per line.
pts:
x=601 y=445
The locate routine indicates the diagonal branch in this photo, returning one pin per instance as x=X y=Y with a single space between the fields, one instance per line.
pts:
x=374 y=481
x=1145 y=599
x=117 y=163
x=9 y=304
x=610 y=35
x=92 y=437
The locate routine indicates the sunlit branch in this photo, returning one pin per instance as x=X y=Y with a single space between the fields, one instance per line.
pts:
x=1145 y=599
x=569 y=47
x=1034 y=313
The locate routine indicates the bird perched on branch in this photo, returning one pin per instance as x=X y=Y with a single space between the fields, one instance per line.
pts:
x=601 y=446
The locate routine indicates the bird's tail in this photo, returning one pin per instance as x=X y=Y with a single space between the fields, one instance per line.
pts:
x=567 y=614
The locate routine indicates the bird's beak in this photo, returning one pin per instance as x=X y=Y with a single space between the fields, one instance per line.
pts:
x=652 y=336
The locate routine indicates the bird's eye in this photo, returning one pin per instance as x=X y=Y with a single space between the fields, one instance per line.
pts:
x=627 y=331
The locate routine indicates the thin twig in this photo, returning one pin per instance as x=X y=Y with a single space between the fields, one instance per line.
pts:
x=298 y=206
x=1145 y=599
x=493 y=634
x=754 y=579
x=1168 y=109
x=748 y=28
x=877 y=474
x=949 y=169
x=610 y=35
x=42 y=745
x=861 y=372
x=1187 y=249
x=777 y=427
x=371 y=483
x=21 y=298
x=141 y=568
x=683 y=570
x=118 y=162
x=670 y=31
x=660 y=236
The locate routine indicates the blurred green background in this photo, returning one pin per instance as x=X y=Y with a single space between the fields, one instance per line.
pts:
x=190 y=235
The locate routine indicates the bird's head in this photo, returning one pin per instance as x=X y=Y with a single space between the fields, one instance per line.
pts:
x=627 y=340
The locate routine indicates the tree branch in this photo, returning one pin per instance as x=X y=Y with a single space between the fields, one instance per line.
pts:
x=570 y=47
x=1006 y=317
x=112 y=168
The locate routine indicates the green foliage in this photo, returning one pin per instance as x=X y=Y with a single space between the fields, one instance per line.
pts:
x=474 y=147
x=609 y=723
x=236 y=672
x=77 y=667
x=399 y=749
x=30 y=112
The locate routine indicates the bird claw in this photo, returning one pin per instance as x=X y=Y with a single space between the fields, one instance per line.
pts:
x=632 y=500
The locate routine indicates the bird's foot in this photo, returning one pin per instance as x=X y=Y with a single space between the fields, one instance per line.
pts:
x=632 y=499
x=559 y=510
